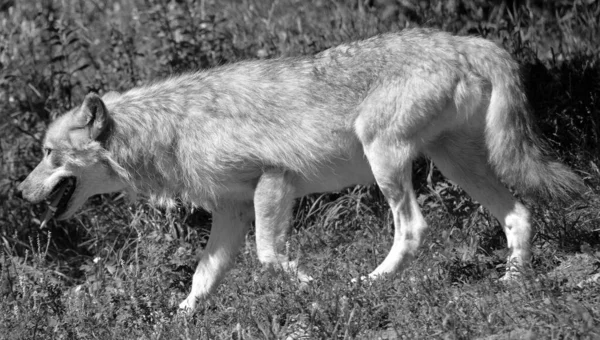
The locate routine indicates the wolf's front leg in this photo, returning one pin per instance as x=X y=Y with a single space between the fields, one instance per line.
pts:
x=229 y=226
x=273 y=200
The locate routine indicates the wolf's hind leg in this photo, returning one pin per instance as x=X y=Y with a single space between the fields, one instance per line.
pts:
x=392 y=167
x=463 y=159
x=273 y=202
x=229 y=227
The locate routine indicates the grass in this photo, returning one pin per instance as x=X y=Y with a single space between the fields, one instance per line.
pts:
x=119 y=271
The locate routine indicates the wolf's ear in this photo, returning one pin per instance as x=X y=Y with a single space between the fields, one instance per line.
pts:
x=94 y=115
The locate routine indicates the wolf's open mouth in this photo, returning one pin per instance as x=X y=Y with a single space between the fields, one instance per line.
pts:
x=59 y=198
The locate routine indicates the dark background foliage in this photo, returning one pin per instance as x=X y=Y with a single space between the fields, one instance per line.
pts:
x=118 y=270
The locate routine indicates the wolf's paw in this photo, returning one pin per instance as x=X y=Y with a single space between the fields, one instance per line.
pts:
x=304 y=278
x=510 y=277
x=188 y=305
x=370 y=279
x=363 y=279
x=517 y=274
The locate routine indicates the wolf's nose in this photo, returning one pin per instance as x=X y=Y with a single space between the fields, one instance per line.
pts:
x=19 y=192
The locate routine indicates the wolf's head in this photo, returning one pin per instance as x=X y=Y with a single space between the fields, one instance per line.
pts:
x=75 y=165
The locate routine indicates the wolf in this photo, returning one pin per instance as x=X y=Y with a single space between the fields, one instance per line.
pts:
x=244 y=140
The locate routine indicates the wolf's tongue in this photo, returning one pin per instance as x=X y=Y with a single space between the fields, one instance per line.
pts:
x=52 y=206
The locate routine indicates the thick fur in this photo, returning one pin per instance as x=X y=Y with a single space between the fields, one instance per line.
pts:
x=244 y=140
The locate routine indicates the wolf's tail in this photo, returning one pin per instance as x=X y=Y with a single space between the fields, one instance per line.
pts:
x=515 y=152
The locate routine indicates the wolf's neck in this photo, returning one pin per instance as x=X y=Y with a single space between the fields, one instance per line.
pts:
x=143 y=141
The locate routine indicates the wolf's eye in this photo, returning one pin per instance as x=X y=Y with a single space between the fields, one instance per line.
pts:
x=47 y=152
